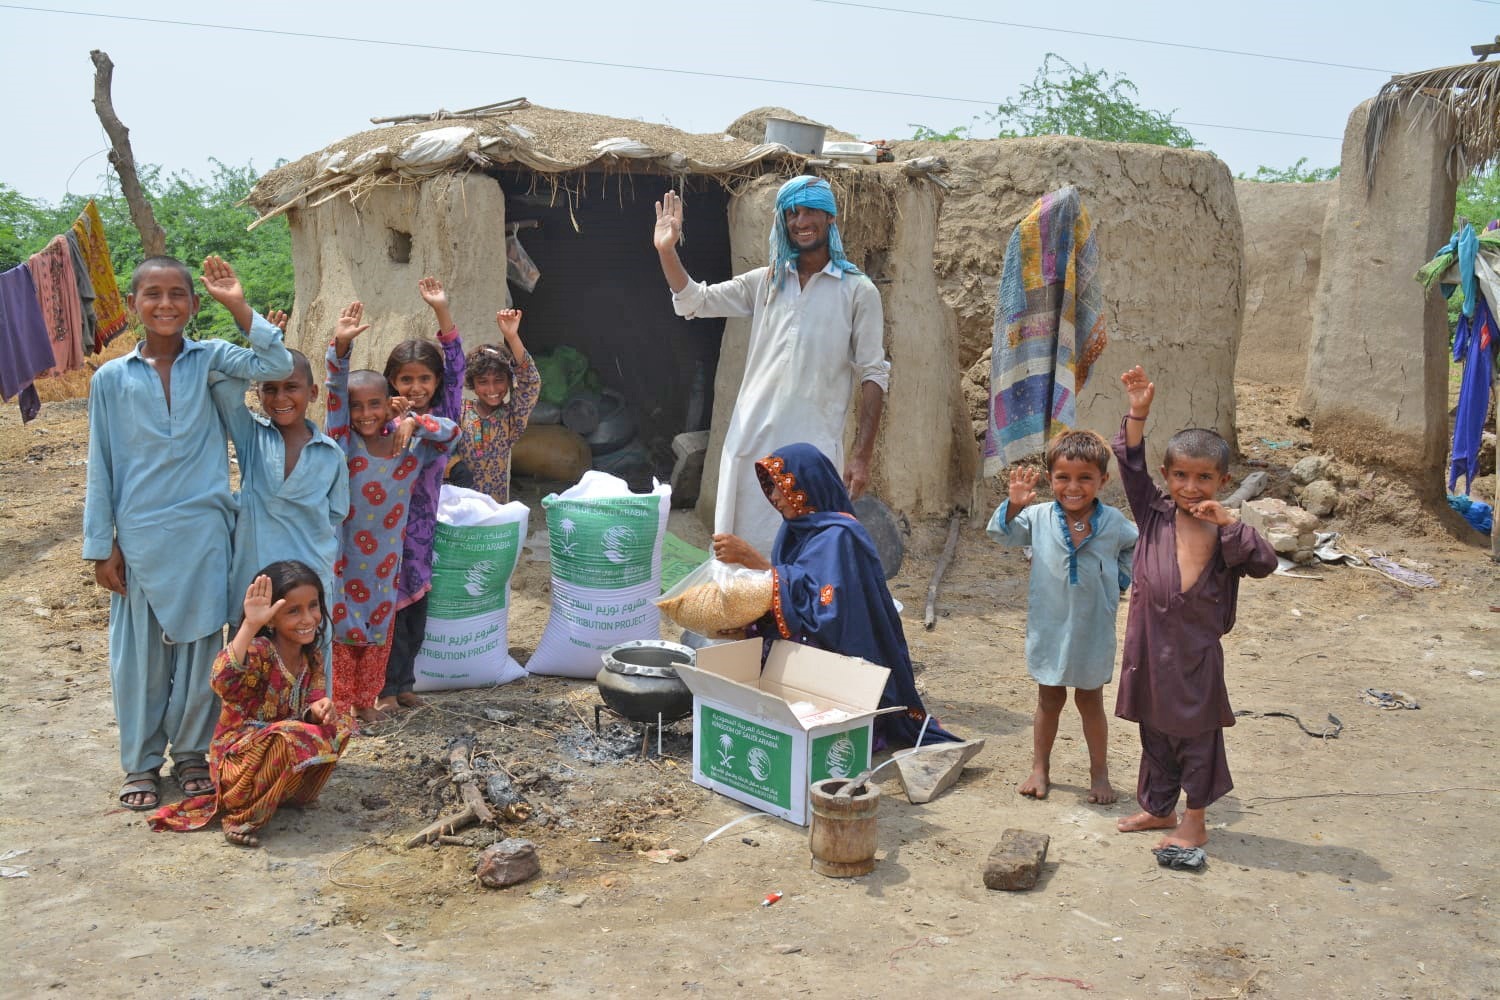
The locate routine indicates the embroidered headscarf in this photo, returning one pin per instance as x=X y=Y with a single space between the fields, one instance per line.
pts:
x=813 y=192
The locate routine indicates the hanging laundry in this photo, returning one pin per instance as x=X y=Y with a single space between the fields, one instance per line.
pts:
x=25 y=350
x=85 y=292
x=109 y=306
x=1049 y=329
x=1474 y=346
x=57 y=294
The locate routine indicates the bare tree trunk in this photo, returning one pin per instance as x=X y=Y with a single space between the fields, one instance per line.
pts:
x=153 y=240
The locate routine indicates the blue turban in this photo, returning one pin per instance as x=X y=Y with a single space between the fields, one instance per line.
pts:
x=812 y=192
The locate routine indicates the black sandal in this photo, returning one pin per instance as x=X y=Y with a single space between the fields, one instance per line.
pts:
x=193 y=771
x=139 y=782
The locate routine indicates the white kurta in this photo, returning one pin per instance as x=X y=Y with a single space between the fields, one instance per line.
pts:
x=809 y=348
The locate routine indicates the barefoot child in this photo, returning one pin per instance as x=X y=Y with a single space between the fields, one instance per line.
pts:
x=433 y=382
x=1188 y=563
x=278 y=735
x=506 y=387
x=157 y=518
x=383 y=473
x=294 y=479
x=1080 y=561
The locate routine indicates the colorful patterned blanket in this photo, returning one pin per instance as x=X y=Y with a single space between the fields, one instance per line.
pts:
x=1049 y=329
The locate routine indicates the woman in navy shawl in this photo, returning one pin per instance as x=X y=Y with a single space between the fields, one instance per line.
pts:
x=829 y=584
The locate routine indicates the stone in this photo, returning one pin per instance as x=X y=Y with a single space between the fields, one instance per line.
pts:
x=1486 y=454
x=1310 y=468
x=787 y=949
x=1262 y=514
x=1016 y=862
x=1283 y=226
x=928 y=772
x=576 y=902
x=1284 y=542
x=1301 y=521
x=1320 y=497
x=509 y=862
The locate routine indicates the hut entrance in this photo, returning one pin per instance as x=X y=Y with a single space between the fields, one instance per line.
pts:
x=602 y=293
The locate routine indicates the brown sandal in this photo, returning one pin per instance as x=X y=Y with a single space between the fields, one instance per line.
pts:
x=193 y=771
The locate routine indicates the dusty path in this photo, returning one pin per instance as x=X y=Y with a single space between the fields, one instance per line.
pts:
x=1354 y=890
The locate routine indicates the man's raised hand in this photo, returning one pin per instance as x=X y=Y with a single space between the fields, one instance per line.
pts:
x=668 y=222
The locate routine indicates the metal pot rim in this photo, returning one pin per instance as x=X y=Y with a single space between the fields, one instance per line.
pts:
x=615 y=666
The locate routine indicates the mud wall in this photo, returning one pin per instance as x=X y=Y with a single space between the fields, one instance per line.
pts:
x=375 y=251
x=921 y=452
x=1170 y=246
x=1283 y=226
x=1377 y=366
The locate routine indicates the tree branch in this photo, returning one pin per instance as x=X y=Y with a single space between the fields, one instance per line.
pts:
x=153 y=240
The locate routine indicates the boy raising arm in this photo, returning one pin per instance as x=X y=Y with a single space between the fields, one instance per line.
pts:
x=1189 y=559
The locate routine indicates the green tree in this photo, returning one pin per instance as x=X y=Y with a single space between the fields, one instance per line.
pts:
x=1298 y=172
x=1063 y=99
x=200 y=217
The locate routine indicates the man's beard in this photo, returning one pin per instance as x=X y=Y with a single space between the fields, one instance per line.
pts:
x=814 y=247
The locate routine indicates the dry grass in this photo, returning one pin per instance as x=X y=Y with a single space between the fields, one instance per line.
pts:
x=75 y=384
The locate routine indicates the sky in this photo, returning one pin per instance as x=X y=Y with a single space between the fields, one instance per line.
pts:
x=257 y=95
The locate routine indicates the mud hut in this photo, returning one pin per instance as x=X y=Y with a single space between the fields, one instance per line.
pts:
x=372 y=212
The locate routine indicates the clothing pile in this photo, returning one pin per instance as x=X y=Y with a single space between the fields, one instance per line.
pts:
x=55 y=308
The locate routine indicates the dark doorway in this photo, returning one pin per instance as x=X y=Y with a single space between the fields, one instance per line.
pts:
x=602 y=292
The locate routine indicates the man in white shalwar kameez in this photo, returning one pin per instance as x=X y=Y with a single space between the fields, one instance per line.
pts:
x=816 y=332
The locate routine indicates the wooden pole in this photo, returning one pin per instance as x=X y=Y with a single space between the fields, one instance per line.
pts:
x=929 y=617
x=153 y=240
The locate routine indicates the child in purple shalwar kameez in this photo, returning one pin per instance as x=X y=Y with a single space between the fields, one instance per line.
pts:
x=433 y=382
x=1189 y=558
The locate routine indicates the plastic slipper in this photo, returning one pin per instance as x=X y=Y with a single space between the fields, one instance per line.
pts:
x=191 y=770
x=1190 y=859
x=141 y=781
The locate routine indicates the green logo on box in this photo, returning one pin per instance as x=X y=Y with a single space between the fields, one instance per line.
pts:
x=840 y=755
x=745 y=756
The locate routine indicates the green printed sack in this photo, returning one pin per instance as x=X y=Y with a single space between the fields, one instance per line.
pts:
x=475 y=548
x=606 y=572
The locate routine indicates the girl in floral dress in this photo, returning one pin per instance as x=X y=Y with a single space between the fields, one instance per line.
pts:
x=278 y=736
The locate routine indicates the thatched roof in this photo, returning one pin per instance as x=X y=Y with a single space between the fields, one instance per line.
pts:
x=1463 y=101
x=545 y=140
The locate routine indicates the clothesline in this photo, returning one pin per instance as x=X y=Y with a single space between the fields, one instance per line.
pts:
x=57 y=307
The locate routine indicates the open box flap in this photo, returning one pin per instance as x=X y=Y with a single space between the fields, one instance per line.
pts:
x=730 y=674
x=804 y=673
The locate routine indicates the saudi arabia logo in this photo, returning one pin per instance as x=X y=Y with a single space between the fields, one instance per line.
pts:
x=616 y=541
x=839 y=757
x=726 y=750
x=759 y=763
x=476 y=580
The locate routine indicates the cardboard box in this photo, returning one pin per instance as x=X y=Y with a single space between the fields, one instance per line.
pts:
x=750 y=745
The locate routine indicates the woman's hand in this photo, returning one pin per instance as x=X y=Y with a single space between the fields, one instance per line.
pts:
x=734 y=549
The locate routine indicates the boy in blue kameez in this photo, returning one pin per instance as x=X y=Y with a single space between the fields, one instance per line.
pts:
x=158 y=514
x=294 y=479
x=1081 y=551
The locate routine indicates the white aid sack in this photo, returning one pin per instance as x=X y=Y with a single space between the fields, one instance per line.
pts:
x=474 y=552
x=606 y=572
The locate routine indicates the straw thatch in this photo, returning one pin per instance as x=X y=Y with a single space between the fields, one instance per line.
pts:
x=544 y=140
x=1462 y=100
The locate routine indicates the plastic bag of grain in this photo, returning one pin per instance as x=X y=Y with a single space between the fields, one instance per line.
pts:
x=474 y=552
x=718 y=597
x=606 y=572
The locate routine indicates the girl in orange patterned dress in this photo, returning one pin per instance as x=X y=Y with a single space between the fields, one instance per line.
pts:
x=278 y=735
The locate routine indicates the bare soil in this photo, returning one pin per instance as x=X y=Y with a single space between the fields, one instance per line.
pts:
x=1358 y=866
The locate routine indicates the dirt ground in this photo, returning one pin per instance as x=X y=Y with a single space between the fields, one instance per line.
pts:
x=1364 y=865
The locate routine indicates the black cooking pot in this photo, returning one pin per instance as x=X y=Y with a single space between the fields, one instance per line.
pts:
x=639 y=680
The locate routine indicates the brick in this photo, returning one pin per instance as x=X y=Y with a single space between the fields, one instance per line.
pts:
x=1016 y=862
